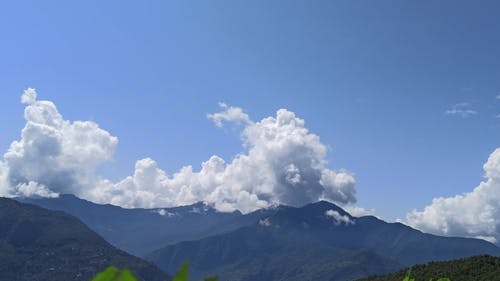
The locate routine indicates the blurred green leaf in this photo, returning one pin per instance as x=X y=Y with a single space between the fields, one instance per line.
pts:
x=114 y=274
x=407 y=277
x=183 y=273
x=108 y=274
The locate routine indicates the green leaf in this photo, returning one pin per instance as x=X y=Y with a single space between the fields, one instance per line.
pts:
x=212 y=278
x=107 y=275
x=126 y=275
x=114 y=274
x=444 y=279
x=183 y=273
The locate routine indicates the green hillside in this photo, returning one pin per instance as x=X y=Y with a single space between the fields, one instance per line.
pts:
x=38 y=244
x=299 y=244
x=479 y=268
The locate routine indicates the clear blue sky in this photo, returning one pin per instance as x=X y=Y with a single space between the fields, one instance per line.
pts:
x=372 y=78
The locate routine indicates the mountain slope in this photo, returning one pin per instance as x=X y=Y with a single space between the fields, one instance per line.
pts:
x=39 y=244
x=140 y=231
x=252 y=254
x=319 y=241
x=478 y=268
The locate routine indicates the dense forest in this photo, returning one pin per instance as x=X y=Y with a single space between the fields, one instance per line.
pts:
x=479 y=268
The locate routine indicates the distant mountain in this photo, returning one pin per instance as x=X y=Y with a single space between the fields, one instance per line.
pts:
x=37 y=244
x=319 y=241
x=140 y=231
x=479 y=268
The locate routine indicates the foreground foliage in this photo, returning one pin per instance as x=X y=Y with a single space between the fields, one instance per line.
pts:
x=114 y=274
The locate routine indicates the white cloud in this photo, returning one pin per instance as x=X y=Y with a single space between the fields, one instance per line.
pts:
x=461 y=109
x=34 y=189
x=498 y=97
x=339 y=186
x=53 y=155
x=357 y=211
x=165 y=213
x=265 y=222
x=472 y=214
x=490 y=239
x=28 y=96
x=339 y=219
x=5 y=190
x=229 y=114
x=283 y=163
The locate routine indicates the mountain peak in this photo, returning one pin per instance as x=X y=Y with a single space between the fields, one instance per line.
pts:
x=325 y=206
x=321 y=214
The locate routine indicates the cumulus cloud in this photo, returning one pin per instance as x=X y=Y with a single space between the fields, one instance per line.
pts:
x=282 y=163
x=53 y=155
x=472 y=214
x=338 y=218
x=461 y=109
x=34 y=189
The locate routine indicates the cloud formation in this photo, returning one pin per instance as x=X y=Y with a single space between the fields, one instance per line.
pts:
x=357 y=211
x=472 y=214
x=229 y=114
x=461 y=109
x=338 y=218
x=282 y=163
x=53 y=155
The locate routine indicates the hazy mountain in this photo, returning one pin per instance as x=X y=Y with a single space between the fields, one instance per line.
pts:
x=479 y=268
x=37 y=244
x=140 y=231
x=319 y=241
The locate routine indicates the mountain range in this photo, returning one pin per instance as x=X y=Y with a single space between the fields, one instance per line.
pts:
x=37 y=244
x=319 y=241
x=140 y=231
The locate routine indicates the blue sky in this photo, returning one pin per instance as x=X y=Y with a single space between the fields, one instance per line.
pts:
x=373 y=79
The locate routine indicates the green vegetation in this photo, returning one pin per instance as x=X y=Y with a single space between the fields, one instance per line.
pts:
x=407 y=277
x=478 y=268
x=39 y=244
x=183 y=273
x=114 y=274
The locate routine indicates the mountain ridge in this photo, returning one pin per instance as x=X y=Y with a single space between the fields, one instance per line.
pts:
x=284 y=237
x=41 y=244
x=139 y=231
